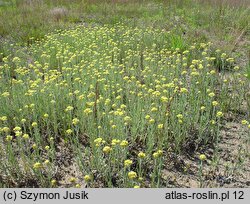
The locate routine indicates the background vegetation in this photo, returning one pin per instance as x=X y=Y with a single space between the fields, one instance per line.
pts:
x=152 y=91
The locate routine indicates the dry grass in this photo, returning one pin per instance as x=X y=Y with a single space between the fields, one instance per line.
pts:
x=58 y=13
x=218 y=19
x=221 y=3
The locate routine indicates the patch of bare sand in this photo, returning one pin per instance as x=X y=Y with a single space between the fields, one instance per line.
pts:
x=233 y=164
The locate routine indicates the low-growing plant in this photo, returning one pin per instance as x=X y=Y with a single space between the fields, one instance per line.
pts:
x=117 y=97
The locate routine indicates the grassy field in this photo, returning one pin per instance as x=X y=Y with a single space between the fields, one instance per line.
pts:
x=124 y=93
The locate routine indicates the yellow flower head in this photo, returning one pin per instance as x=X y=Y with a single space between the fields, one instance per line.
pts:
x=179 y=116
x=34 y=124
x=3 y=118
x=87 y=178
x=157 y=154
x=46 y=161
x=98 y=140
x=140 y=179
x=212 y=122
x=244 y=122
x=202 y=157
x=34 y=146
x=115 y=142
x=203 y=108
x=25 y=136
x=219 y=114
x=78 y=185
x=141 y=155
x=211 y=94
x=75 y=121
x=215 y=103
x=9 y=138
x=107 y=149
x=5 y=94
x=18 y=133
x=127 y=119
x=87 y=111
x=53 y=182
x=183 y=90
x=37 y=165
x=124 y=143
x=128 y=163
x=72 y=179
x=6 y=129
x=17 y=129
x=151 y=121
x=154 y=109
x=69 y=108
x=160 y=126
x=132 y=175
x=69 y=132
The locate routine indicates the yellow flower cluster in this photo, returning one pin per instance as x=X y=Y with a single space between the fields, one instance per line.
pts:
x=122 y=90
